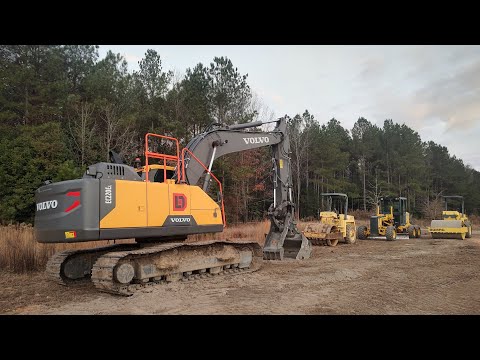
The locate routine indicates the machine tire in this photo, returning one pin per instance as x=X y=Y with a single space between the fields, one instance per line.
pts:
x=419 y=232
x=350 y=237
x=332 y=242
x=469 y=227
x=412 y=232
x=361 y=231
x=391 y=233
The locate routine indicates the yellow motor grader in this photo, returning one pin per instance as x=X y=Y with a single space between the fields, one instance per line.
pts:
x=334 y=224
x=454 y=225
x=391 y=221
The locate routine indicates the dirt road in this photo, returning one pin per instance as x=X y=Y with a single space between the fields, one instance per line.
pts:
x=416 y=276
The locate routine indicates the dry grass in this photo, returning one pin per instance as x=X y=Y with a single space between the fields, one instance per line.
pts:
x=475 y=219
x=361 y=214
x=251 y=231
x=20 y=252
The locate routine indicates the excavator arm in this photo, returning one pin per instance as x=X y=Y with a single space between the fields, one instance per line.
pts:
x=283 y=239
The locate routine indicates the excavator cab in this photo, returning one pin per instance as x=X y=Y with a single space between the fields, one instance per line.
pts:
x=156 y=173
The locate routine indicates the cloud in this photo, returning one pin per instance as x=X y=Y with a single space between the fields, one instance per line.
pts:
x=455 y=98
x=132 y=59
x=277 y=99
x=434 y=90
x=372 y=68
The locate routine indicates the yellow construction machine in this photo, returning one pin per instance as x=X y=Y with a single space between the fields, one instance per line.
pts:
x=160 y=205
x=454 y=225
x=390 y=221
x=334 y=225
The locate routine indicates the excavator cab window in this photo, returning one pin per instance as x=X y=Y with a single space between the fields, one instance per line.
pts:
x=158 y=177
x=155 y=175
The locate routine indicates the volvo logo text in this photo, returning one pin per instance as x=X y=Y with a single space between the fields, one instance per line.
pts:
x=256 y=140
x=51 y=204
x=180 y=220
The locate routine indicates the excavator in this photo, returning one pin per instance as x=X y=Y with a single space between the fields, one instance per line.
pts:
x=116 y=201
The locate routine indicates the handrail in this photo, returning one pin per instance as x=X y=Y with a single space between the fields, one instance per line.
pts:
x=156 y=155
x=211 y=174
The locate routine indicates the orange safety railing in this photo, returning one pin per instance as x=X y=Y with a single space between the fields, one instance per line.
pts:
x=164 y=157
x=184 y=150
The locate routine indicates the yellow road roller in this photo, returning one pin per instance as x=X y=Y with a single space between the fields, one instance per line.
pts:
x=334 y=225
x=454 y=225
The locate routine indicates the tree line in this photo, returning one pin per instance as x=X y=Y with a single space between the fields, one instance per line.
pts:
x=63 y=108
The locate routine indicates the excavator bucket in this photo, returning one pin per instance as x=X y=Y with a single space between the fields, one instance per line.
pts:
x=293 y=247
x=284 y=240
x=297 y=247
x=448 y=229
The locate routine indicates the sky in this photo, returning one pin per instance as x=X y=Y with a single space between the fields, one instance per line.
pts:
x=433 y=89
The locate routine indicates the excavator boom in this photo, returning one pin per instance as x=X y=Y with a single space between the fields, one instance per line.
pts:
x=283 y=239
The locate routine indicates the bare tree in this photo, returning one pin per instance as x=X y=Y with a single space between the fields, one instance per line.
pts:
x=82 y=126
x=432 y=209
x=261 y=110
x=119 y=134
x=299 y=132
x=176 y=78
x=375 y=192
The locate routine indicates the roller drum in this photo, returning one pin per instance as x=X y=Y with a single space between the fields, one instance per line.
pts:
x=444 y=224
